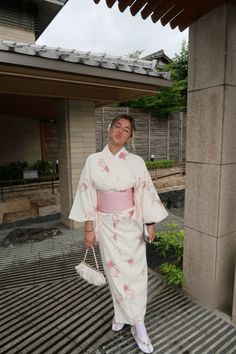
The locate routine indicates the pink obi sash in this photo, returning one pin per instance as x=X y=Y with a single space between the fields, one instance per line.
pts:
x=115 y=201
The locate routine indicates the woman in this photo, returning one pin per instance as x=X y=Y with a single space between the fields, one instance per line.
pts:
x=115 y=198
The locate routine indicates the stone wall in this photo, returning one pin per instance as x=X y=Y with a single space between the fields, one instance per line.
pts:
x=28 y=201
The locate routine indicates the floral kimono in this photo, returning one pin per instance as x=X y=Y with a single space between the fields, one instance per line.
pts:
x=119 y=234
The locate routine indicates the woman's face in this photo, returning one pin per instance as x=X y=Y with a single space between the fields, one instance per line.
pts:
x=120 y=132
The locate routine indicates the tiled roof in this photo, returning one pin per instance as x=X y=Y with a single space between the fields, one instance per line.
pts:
x=138 y=66
x=158 y=55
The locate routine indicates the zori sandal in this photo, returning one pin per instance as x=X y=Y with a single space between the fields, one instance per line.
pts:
x=116 y=326
x=145 y=347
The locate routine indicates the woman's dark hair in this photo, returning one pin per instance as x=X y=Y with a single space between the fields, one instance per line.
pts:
x=125 y=116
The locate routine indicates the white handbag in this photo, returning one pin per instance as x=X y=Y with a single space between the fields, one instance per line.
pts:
x=90 y=274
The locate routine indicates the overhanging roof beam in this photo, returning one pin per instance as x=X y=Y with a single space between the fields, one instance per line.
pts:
x=49 y=88
x=149 y=8
x=137 y=6
x=110 y=3
x=191 y=7
x=170 y=15
x=82 y=80
x=181 y=13
x=164 y=6
x=123 y=4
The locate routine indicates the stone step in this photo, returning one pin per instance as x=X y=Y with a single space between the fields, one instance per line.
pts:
x=14 y=205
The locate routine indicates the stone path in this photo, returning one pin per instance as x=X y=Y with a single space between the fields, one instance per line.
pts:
x=59 y=245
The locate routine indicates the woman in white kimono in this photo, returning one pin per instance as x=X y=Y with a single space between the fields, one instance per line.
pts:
x=115 y=198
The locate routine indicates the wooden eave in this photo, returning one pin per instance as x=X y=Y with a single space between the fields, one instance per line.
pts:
x=178 y=13
x=36 y=76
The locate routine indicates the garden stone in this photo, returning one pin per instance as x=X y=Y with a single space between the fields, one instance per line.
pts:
x=22 y=235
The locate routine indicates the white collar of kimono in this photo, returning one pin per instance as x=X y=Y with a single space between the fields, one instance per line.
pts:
x=107 y=152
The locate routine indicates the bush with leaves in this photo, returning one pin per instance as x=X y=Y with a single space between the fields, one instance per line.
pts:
x=44 y=167
x=13 y=170
x=159 y=164
x=171 y=241
x=172 y=273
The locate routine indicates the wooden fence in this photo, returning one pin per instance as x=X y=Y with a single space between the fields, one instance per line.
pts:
x=163 y=137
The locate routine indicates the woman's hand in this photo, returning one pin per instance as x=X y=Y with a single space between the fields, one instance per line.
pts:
x=151 y=232
x=89 y=239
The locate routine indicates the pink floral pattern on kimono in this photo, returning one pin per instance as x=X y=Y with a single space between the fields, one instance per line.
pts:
x=120 y=238
x=130 y=261
x=130 y=294
x=102 y=163
x=131 y=213
x=114 y=237
x=143 y=273
x=83 y=186
x=113 y=269
x=122 y=155
x=137 y=320
x=118 y=299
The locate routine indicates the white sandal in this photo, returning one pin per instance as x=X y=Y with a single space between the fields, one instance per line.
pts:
x=145 y=347
x=116 y=326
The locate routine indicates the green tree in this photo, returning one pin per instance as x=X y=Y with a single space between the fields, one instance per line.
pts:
x=179 y=71
x=171 y=99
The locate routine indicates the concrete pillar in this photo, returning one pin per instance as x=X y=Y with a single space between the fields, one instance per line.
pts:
x=76 y=123
x=210 y=206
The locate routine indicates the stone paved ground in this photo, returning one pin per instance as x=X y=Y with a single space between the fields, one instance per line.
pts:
x=28 y=252
x=58 y=245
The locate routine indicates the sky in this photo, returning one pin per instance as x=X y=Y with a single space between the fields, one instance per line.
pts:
x=85 y=26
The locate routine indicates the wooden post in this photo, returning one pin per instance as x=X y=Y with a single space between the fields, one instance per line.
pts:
x=149 y=135
x=168 y=139
x=103 y=108
x=181 y=137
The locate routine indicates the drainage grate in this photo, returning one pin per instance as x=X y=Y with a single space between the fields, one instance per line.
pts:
x=54 y=318
x=177 y=325
x=45 y=308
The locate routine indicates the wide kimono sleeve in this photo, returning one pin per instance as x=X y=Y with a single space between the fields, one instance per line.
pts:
x=150 y=207
x=85 y=202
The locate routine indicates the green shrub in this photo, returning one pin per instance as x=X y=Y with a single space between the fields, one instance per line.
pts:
x=159 y=164
x=44 y=167
x=13 y=170
x=172 y=274
x=171 y=243
x=170 y=239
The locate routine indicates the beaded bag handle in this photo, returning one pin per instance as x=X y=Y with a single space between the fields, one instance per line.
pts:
x=95 y=258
